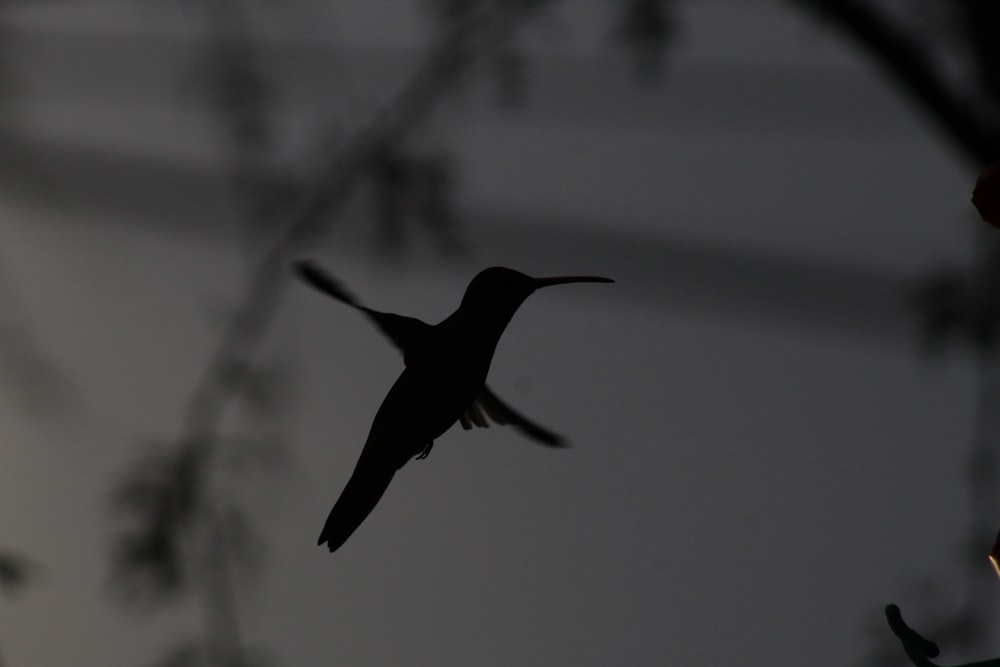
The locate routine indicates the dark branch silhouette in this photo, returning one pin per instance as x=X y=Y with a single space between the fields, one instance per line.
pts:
x=911 y=65
x=443 y=382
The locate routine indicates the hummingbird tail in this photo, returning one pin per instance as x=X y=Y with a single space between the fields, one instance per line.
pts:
x=358 y=499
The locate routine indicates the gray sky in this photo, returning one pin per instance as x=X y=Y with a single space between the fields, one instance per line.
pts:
x=762 y=459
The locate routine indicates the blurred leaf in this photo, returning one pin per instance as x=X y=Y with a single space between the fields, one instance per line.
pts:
x=452 y=10
x=262 y=390
x=185 y=655
x=243 y=542
x=15 y=572
x=941 y=301
x=954 y=305
x=160 y=495
x=390 y=176
x=39 y=385
x=248 y=454
x=510 y=72
x=646 y=27
x=407 y=185
x=259 y=388
x=190 y=654
x=435 y=201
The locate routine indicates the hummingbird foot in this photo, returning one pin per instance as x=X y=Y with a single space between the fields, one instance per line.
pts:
x=426 y=451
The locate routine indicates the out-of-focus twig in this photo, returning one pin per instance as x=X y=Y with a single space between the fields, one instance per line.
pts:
x=906 y=59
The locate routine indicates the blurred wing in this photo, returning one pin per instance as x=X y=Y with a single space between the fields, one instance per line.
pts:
x=406 y=333
x=489 y=407
x=316 y=277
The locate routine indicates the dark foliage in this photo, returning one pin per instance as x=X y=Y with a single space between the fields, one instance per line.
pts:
x=15 y=572
x=646 y=27
x=409 y=186
x=160 y=498
x=960 y=307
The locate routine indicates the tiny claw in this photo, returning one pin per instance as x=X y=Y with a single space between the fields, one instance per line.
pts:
x=426 y=451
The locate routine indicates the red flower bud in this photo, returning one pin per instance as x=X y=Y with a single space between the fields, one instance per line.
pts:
x=986 y=195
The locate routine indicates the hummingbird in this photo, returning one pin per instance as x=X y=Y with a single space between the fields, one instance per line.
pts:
x=443 y=382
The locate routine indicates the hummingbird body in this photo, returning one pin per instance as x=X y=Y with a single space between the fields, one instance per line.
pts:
x=444 y=381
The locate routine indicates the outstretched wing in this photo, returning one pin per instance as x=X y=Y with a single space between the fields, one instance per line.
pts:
x=406 y=333
x=315 y=276
x=488 y=406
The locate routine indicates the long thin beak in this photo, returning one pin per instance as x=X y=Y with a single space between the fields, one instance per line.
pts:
x=562 y=280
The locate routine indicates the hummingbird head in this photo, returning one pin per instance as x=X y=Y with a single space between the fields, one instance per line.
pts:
x=500 y=291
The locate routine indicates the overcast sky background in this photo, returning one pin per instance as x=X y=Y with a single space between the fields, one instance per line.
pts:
x=762 y=458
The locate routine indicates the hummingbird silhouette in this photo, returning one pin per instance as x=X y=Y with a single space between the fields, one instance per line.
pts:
x=444 y=381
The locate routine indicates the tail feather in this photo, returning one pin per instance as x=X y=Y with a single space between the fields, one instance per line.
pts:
x=356 y=502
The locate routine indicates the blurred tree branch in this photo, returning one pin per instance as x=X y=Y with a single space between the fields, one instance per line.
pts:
x=909 y=62
x=646 y=27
